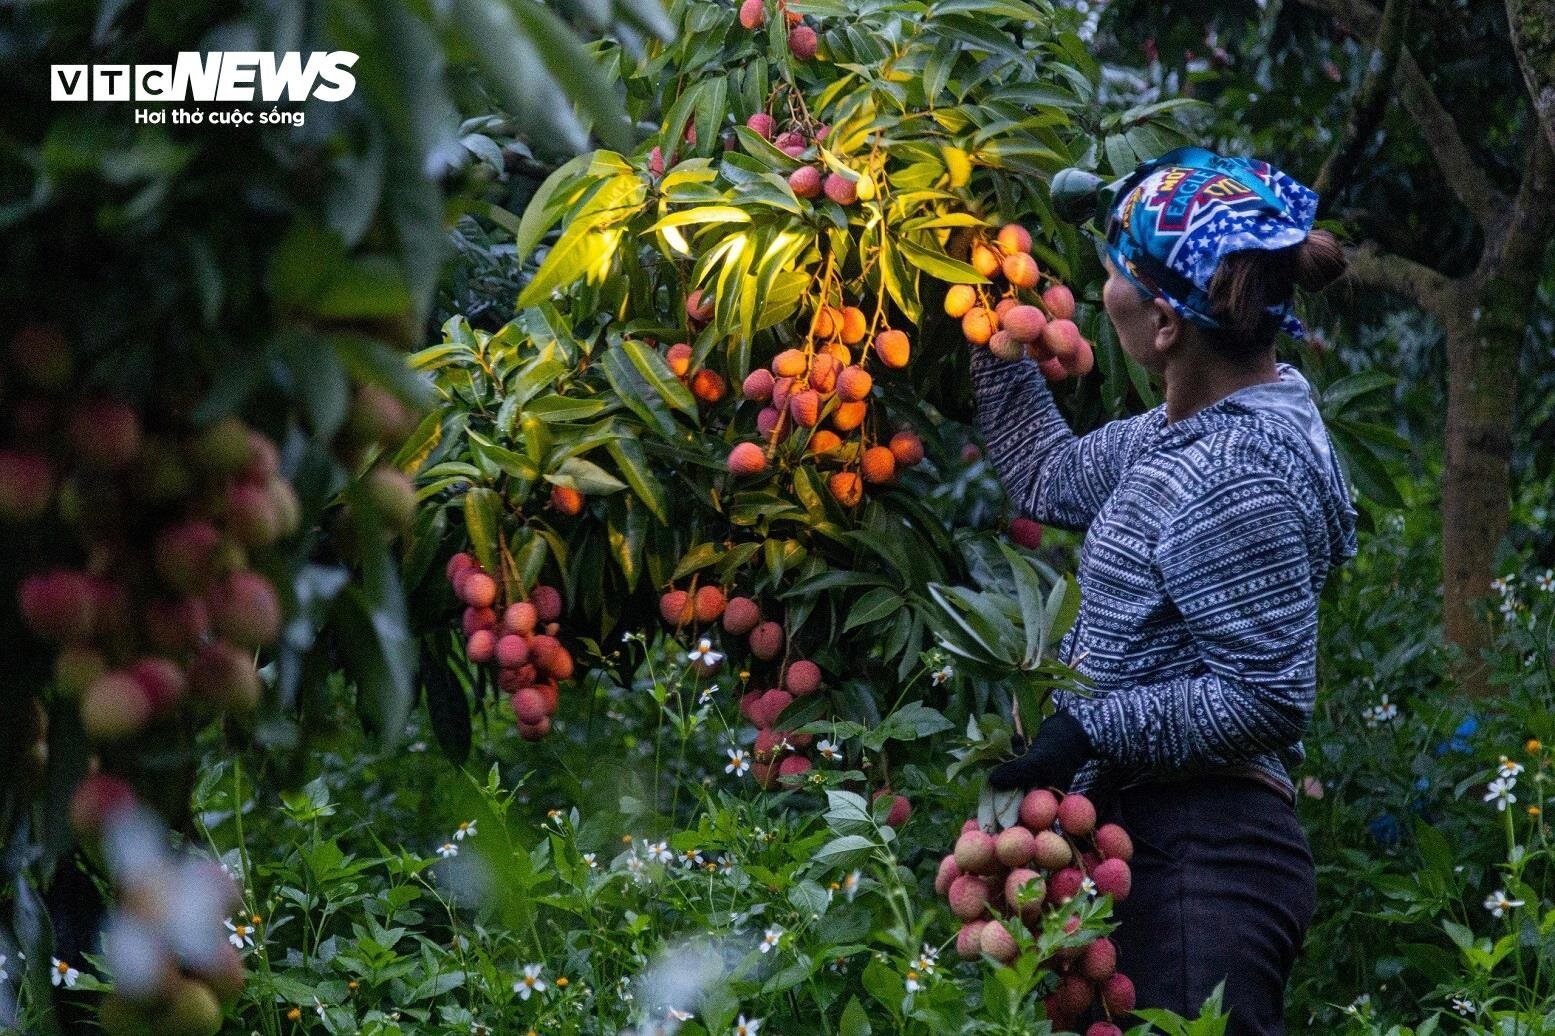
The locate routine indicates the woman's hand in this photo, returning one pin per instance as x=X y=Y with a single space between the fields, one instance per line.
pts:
x=1050 y=761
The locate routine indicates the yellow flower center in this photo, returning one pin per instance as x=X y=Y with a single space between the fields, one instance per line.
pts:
x=1533 y=744
x=1534 y=811
x=561 y=982
x=294 y=1014
x=256 y=918
x=62 y=967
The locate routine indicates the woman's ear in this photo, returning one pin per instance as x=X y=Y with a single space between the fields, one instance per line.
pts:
x=1168 y=326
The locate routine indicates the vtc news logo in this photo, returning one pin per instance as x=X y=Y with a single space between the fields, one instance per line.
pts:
x=219 y=76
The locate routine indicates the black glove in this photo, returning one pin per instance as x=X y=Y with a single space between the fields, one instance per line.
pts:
x=1056 y=752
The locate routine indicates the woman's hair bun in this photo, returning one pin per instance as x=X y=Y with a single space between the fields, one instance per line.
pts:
x=1319 y=261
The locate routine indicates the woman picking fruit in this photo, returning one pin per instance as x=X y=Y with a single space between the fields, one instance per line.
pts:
x=1211 y=525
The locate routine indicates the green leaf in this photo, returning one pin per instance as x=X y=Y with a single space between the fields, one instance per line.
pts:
x=482 y=511
x=847 y=851
x=586 y=477
x=656 y=372
x=874 y=605
x=633 y=464
x=938 y=264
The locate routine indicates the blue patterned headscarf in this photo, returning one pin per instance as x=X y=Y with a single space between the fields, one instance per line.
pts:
x=1176 y=217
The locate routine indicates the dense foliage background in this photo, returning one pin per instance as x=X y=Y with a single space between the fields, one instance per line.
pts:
x=438 y=318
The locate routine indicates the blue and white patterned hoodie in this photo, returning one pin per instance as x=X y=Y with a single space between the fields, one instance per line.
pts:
x=1208 y=541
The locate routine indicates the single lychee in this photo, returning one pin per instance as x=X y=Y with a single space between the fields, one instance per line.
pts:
x=948 y=872
x=163 y=682
x=907 y=448
x=1014 y=238
x=520 y=618
x=1059 y=301
x=975 y=852
x=529 y=706
x=1050 y=850
x=1099 y=959
x=1064 y=885
x=893 y=348
x=1015 y=846
x=535 y=731
x=985 y=260
x=794 y=766
x=854 y=384
x=96 y=800
x=841 y=189
x=678 y=357
x=1117 y=993
x=761 y=124
x=970 y=824
x=699 y=308
x=757 y=387
x=1021 y=270
x=1103 y=1029
x=708 y=386
x=750 y=703
x=57 y=604
x=753 y=14
x=997 y=942
x=481 y=647
x=790 y=363
x=977 y=325
x=1083 y=361
x=849 y=416
x=969 y=945
x=1062 y=338
x=789 y=138
x=782 y=391
x=747 y=459
x=766 y=640
x=677 y=608
x=1114 y=843
x=968 y=896
x=114 y=707
x=709 y=604
x=823 y=373
x=855 y=325
x=457 y=567
x=656 y=161
x=802 y=677
x=547 y=601
x=1024 y=323
x=960 y=301
x=1053 y=369
x=901 y=809
x=184 y=553
x=244 y=609
x=566 y=500
x=771 y=705
x=1004 y=305
x=1039 y=809
x=1024 y=878
x=802 y=42
x=543 y=649
x=512 y=650
x=1004 y=347
x=1026 y=533
x=1076 y=815
x=105 y=433
x=846 y=487
x=1113 y=878
x=805 y=408
x=741 y=615
x=806 y=182
x=478 y=619
x=478 y=590
x=766 y=423
x=1074 y=995
x=878 y=465
x=823 y=441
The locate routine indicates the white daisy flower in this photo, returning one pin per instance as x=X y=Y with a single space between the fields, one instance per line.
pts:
x=1462 y=1005
x=1509 y=768
x=1499 y=791
x=62 y=974
x=634 y=864
x=927 y=960
x=659 y=852
x=912 y=984
x=466 y=830
x=677 y=1014
x=318 y=1007
x=1088 y=886
x=1545 y=580
x=747 y=1027
x=242 y=934
x=448 y=850
x=530 y=982
x=942 y=674
x=830 y=752
x=706 y=697
x=592 y=859
x=1503 y=584
x=705 y=654
x=691 y=858
x=739 y=762
x=770 y=939
x=1498 y=903
x=850 y=884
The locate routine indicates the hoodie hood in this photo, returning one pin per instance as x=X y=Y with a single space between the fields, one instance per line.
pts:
x=1292 y=405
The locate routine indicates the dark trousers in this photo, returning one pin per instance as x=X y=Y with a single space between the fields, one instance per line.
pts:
x=1223 y=891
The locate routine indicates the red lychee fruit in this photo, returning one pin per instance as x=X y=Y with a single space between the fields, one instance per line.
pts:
x=1015 y=846
x=907 y=448
x=708 y=386
x=766 y=640
x=1083 y=361
x=802 y=677
x=805 y=408
x=520 y=618
x=26 y=486
x=535 y=731
x=543 y=649
x=969 y=945
x=840 y=189
x=849 y=416
x=162 y=681
x=750 y=704
x=1036 y=889
x=457 y=567
x=1103 y=1029
x=699 y=308
x=854 y=384
x=1114 y=843
x=547 y=601
x=969 y=896
x=794 y=766
x=806 y=182
x=741 y=615
x=105 y=433
x=1117 y=993
x=1039 y=809
x=676 y=608
x=478 y=590
x=1074 y=995
x=970 y=824
x=761 y=124
x=753 y=14
x=1062 y=338
x=846 y=487
x=975 y=852
x=1014 y=238
x=782 y=389
x=948 y=872
x=184 y=554
x=757 y=387
x=57 y=604
x=747 y=459
x=1113 y=878
x=901 y=809
x=1076 y=815
x=1098 y=960
x=997 y=942
x=1024 y=323
x=225 y=676
x=512 y=650
x=1050 y=850
x=114 y=707
x=529 y=706
x=1021 y=270
x=1059 y=301
x=771 y=706
x=1004 y=347
x=96 y=800
x=878 y=465
x=893 y=348
x=656 y=161
x=1026 y=533
x=1064 y=885
x=245 y=609
x=709 y=604
x=802 y=42
x=478 y=619
x=789 y=138
x=481 y=647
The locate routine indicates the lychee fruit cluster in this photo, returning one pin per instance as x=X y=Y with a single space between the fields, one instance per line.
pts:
x=706 y=384
x=1030 y=872
x=822 y=392
x=802 y=41
x=1010 y=317
x=519 y=638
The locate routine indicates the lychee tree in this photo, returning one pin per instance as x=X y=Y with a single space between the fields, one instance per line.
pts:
x=715 y=409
